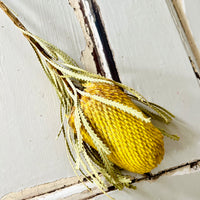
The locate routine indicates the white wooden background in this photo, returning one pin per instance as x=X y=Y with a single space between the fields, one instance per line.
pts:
x=150 y=57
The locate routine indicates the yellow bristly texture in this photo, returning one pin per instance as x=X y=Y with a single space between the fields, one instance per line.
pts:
x=135 y=145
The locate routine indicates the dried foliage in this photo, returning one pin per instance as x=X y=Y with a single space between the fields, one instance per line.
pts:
x=89 y=148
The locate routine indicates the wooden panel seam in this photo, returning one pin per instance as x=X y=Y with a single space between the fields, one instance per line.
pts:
x=98 y=48
x=57 y=186
x=188 y=168
x=182 y=25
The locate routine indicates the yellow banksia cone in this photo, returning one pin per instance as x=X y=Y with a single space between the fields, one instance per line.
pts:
x=135 y=145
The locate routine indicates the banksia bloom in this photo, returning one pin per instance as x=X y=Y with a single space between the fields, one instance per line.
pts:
x=104 y=130
x=135 y=144
x=106 y=125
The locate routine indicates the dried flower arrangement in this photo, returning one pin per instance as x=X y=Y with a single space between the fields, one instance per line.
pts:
x=104 y=130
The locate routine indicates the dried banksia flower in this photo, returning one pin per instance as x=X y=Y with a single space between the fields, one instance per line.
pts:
x=104 y=130
x=135 y=144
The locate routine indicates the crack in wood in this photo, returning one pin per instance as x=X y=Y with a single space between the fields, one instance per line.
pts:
x=49 y=188
x=94 y=53
x=194 y=67
x=182 y=25
x=194 y=165
x=96 y=37
x=186 y=168
x=105 y=43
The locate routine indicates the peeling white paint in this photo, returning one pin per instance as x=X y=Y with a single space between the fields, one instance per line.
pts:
x=183 y=6
x=186 y=170
x=150 y=57
x=97 y=38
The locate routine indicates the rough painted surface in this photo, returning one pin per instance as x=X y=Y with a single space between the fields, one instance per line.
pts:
x=177 y=187
x=153 y=61
x=29 y=108
x=192 y=13
x=150 y=58
x=178 y=13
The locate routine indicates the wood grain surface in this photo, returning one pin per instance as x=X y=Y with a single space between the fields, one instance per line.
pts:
x=29 y=108
x=150 y=57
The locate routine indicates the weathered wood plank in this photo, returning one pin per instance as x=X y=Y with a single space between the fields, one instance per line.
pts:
x=178 y=187
x=29 y=152
x=44 y=189
x=191 y=11
x=97 y=52
x=160 y=62
x=177 y=10
x=151 y=58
